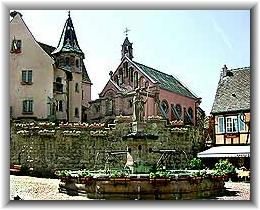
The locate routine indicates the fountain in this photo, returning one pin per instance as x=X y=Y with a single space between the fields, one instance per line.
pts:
x=141 y=179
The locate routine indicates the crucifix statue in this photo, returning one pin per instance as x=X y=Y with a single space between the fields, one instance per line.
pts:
x=138 y=105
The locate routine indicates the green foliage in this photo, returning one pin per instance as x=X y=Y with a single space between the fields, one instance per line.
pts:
x=63 y=173
x=200 y=173
x=118 y=174
x=196 y=164
x=159 y=174
x=223 y=167
x=143 y=167
x=84 y=173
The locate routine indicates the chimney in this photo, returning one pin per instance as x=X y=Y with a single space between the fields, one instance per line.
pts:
x=224 y=72
x=14 y=13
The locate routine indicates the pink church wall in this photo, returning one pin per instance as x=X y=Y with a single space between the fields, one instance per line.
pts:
x=174 y=98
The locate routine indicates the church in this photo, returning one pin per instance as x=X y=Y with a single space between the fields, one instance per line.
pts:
x=163 y=94
x=65 y=92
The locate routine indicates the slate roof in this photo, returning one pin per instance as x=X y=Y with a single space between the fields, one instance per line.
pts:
x=47 y=48
x=68 y=40
x=85 y=76
x=233 y=92
x=166 y=81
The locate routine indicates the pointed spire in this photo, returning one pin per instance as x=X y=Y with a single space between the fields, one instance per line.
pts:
x=127 y=49
x=68 y=40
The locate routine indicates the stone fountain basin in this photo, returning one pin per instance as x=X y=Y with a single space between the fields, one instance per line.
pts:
x=144 y=188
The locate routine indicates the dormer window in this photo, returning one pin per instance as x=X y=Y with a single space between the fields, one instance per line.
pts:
x=16 y=46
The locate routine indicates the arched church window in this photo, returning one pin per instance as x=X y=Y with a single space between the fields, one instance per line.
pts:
x=135 y=79
x=116 y=80
x=125 y=66
x=165 y=106
x=109 y=106
x=190 y=113
x=179 y=110
x=121 y=77
x=146 y=84
x=141 y=81
x=131 y=71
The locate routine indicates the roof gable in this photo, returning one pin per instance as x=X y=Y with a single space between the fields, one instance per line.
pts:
x=19 y=30
x=110 y=85
x=233 y=92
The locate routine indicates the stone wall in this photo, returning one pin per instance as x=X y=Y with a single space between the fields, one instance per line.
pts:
x=45 y=146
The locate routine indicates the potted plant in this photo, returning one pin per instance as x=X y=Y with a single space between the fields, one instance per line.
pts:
x=223 y=169
x=119 y=176
x=85 y=177
x=159 y=177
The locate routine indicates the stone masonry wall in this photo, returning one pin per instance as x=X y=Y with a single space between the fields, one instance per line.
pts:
x=45 y=146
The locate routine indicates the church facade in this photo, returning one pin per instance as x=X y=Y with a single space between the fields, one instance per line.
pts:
x=164 y=95
x=47 y=83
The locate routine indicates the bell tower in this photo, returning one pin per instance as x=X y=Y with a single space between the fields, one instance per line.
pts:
x=127 y=49
x=70 y=67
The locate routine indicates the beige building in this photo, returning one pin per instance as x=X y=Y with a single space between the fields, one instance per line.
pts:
x=47 y=82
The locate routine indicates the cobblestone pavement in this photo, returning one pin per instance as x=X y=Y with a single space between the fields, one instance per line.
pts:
x=236 y=191
x=32 y=188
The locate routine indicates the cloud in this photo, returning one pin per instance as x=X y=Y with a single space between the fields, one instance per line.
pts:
x=222 y=34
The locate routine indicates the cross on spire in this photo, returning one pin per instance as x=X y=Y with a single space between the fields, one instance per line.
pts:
x=126 y=31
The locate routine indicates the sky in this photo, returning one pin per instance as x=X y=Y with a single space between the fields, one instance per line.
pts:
x=192 y=45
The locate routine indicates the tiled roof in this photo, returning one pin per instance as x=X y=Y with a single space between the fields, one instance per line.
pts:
x=233 y=92
x=47 y=48
x=166 y=81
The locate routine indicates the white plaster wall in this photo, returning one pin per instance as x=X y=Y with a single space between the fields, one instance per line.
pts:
x=34 y=58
